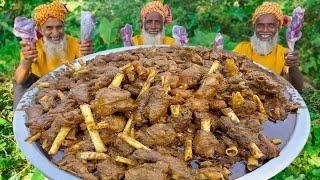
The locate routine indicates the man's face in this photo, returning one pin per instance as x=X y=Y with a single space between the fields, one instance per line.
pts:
x=153 y=23
x=266 y=27
x=53 y=30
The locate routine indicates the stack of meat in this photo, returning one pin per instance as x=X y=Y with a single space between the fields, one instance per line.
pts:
x=158 y=113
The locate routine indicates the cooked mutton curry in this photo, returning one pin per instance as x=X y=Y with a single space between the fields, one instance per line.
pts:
x=158 y=113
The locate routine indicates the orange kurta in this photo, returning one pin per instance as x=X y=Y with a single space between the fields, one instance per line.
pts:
x=43 y=66
x=274 y=61
x=137 y=40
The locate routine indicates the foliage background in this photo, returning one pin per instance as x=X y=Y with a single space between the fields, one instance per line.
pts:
x=202 y=19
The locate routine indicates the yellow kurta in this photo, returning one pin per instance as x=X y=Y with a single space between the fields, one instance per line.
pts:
x=137 y=40
x=42 y=66
x=274 y=61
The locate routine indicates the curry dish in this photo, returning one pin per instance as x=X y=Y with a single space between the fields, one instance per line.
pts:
x=158 y=113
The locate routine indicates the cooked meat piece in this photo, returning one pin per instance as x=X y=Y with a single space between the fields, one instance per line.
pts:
x=214 y=173
x=109 y=101
x=72 y=134
x=99 y=61
x=237 y=79
x=71 y=164
x=108 y=170
x=181 y=123
x=149 y=171
x=112 y=123
x=275 y=108
x=204 y=144
x=50 y=134
x=132 y=89
x=64 y=83
x=106 y=78
x=139 y=68
x=47 y=102
x=107 y=137
x=143 y=137
x=245 y=109
x=227 y=141
x=178 y=167
x=259 y=117
x=157 y=105
x=267 y=147
x=39 y=124
x=254 y=121
x=138 y=115
x=242 y=135
x=260 y=82
x=217 y=104
x=34 y=111
x=197 y=104
x=170 y=151
x=209 y=85
x=123 y=148
x=64 y=106
x=135 y=87
x=81 y=93
x=163 y=134
x=184 y=93
x=190 y=77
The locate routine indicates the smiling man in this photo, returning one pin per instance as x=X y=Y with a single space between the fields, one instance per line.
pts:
x=154 y=16
x=263 y=47
x=50 y=51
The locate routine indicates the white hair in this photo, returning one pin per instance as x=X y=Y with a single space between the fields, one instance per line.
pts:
x=151 y=39
x=55 y=50
x=263 y=47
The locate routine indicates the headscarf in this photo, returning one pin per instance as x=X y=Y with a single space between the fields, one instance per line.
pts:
x=157 y=6
x=268 y=8
x=54 y=9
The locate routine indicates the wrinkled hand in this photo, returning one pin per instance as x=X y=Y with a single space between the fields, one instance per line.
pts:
x=292 y=59
x=29 y=51
x=86 y=47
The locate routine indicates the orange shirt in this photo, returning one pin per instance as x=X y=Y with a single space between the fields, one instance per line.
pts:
x=137 y=40
x=43 y=66
x=274 y=61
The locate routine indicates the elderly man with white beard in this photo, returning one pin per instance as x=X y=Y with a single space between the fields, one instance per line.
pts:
x=48 y=52
x=154 y=16
x=264 y=49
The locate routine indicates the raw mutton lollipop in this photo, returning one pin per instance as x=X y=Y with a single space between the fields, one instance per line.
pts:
x=88 y=23
x=218 y=41
x=126 y=35
x=294 y=33
x=25 y=29
x=180 y=34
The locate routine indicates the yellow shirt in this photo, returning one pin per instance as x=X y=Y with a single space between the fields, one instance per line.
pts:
x=137 y=40
x=274 y=61
x=43 y=66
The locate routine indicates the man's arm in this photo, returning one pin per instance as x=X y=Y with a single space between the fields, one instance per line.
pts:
x=295 y=77
x=30 y=54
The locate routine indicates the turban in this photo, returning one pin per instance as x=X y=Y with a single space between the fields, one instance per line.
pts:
x=157 y=6
x=44 y=11
x=268 y=8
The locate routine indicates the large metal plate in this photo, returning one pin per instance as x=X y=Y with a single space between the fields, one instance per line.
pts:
x=293 y=132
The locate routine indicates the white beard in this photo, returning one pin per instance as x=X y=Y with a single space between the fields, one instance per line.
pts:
x=263 y=47
x=55 y=50
x=150 y=39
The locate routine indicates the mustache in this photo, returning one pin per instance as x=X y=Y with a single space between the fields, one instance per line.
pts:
x=153 y=31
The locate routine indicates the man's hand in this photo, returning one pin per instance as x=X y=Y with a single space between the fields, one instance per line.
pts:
x=295 y=77
x=29 y=51
x=292 y=59
x=86 y=47
x=30 y=54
